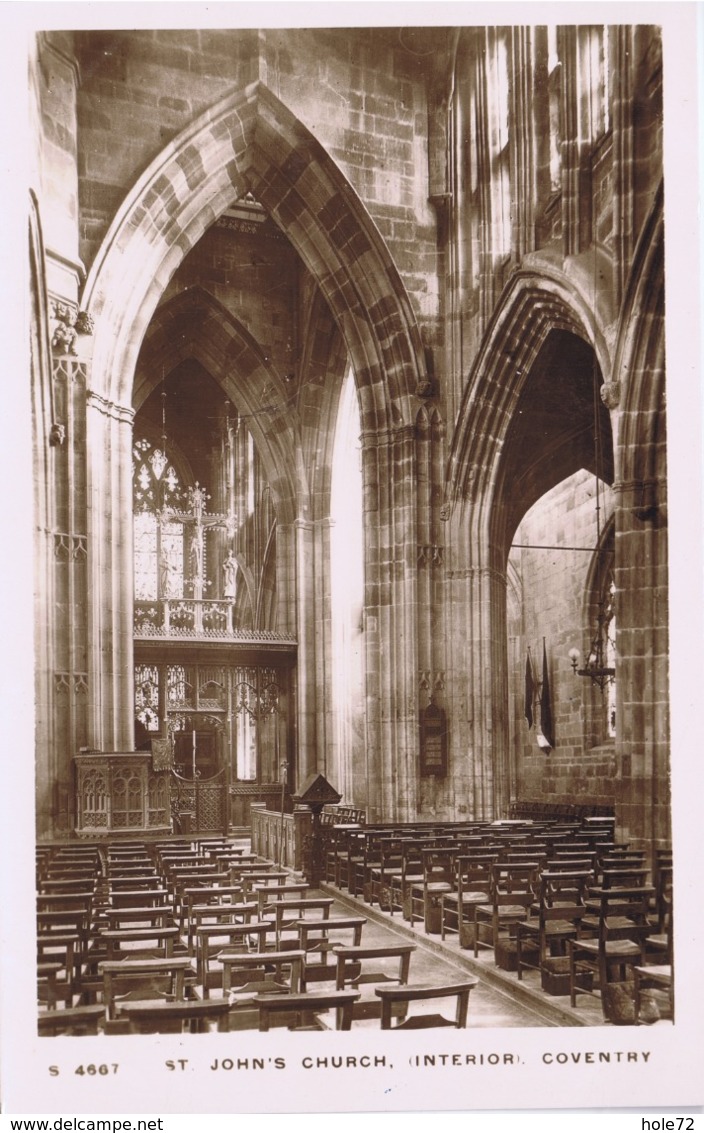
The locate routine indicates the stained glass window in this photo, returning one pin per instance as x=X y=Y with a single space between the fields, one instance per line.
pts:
x=158 y=541
x=146 y=695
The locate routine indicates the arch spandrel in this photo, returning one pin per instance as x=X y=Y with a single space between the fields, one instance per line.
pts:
x=534 y=305
x=250 y=142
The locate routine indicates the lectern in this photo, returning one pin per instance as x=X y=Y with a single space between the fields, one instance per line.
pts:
x=315 y=793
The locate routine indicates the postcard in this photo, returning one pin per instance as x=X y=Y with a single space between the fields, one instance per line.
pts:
x=353 y=559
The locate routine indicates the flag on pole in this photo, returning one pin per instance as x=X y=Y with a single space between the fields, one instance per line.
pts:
x=545 y=705
x=530 y=691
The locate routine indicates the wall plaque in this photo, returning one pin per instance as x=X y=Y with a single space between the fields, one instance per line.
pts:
x=433 y=741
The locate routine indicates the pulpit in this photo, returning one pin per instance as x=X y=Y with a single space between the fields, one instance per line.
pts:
x=121 y=793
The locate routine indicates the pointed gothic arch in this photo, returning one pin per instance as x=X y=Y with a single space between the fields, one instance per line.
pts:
x=250 y=142
x=194 y=325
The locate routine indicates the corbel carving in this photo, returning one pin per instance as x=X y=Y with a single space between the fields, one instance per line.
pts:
x=84 y=322
x=57 y=434
x=611 y=394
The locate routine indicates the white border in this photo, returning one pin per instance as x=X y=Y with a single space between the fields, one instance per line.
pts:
x=673 y=1075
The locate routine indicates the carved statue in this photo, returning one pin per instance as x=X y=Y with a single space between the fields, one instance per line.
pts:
x=168 y=573
x=230 y=580
x=196 y=554
x=63 y=339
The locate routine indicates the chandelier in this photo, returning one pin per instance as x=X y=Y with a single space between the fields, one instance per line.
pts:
x=596 y=666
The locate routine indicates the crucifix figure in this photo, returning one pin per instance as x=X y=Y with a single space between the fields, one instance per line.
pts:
x=196 y=517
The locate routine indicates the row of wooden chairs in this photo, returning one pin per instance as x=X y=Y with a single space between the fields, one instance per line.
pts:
x=165 y=924
x=527 y=894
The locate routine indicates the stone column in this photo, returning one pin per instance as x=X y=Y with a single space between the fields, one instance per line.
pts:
x=304 y=573
x=642 y=726
x=63 y=551
x=111 y=567
x=391 y=626
x=477 y=673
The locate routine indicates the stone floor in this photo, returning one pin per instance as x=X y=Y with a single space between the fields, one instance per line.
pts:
x=500 y=999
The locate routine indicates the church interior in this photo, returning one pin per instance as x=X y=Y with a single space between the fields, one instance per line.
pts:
x=350 y=527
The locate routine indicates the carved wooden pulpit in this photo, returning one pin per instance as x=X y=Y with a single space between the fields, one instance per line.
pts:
x=121 y=793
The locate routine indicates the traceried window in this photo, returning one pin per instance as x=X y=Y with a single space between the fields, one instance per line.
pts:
x=146 y=692
x=158 y=542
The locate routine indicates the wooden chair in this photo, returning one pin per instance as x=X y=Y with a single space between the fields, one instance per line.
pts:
x=306 y=1008
x=206 y=895
x=390 y=964
x=202 y=916
x=127 y=898
x=71 y=1021
x=155 y=916
x=541 y=939
x=438 y=880
x=288 y=913
x=267 y=895
x=652 y=976
x=513 y=892
x=148 y=942
x=411 y=874
x=320 y=937
x=395 y=1002
x=378 y=884
x=472 y=888
x=351 y=851
x=241 y=969
x=192 y=1016
x=621 y=930
x=211 y=940
x=59 y=966
x=164 y=979
x=659 y=975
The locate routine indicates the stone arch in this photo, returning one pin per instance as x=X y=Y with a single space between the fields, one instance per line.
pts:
x=322 y=371
x=193 y=324
x=641 y=566
x=639 y=368
x=535 y=304
x=250 y=142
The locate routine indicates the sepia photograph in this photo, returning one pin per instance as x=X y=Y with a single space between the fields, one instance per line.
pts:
x=348 y=605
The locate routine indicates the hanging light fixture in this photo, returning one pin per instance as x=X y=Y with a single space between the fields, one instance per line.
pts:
x=597 y=667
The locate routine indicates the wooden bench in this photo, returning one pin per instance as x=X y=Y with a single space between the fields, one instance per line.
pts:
x=211 y=940
x=167 y=974
x=314 y=936
x=287 y=914
x=195 y=1016
x=71 y=1021
x=306 y=1007
x=400 y=997
x=351 y=972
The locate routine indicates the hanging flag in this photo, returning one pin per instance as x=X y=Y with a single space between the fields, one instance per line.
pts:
x=545 y=706
x=530 y=691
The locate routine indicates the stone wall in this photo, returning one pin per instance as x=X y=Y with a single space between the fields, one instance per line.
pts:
x=553 y=585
